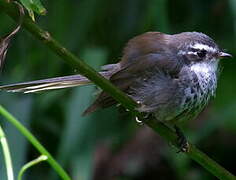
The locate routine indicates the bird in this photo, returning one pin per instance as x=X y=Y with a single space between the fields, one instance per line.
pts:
x=171 y=77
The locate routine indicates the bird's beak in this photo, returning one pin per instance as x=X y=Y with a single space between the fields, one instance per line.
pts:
x=224 y=55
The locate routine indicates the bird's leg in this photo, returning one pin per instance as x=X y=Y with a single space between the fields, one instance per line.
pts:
x=182 y=141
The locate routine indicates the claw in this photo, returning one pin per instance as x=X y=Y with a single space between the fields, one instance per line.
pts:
x=140 y=122
x=182 y=141
x=145 y=116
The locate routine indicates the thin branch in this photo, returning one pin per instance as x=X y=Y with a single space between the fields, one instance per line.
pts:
x=30 y=164
x=7 y=155
x=35 y=143
x=92 y=75
x=194 y=153
x=67 y=56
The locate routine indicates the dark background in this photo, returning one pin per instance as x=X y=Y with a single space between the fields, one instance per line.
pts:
x=109 y=144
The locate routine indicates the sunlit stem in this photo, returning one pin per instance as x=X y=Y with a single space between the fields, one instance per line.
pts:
x=7 y=155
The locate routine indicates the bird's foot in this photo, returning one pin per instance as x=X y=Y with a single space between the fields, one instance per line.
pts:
x=182 y=141
x=144 y=117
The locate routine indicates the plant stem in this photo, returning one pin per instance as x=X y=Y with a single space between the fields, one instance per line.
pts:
x=7 y=155
x=67 y=56
x=118 y=95
x=35 y=143
x=194 y=153
x=30 y=164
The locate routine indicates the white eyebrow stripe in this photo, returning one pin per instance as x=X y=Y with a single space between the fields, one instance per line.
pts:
x=203 y=46
x=184 y=52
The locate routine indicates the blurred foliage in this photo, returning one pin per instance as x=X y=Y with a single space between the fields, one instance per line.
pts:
x=109 y=144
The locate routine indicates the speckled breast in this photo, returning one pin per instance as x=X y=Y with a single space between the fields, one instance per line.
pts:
x=197 y=88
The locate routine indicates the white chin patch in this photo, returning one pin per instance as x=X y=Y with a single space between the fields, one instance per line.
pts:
x=205 y=69
x=203 y=47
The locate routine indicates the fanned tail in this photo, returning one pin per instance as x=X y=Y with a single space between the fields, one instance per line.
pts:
x=103 y=100
x=51 y=83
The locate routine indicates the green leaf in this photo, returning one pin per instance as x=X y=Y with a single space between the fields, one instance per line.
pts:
x=34 y=6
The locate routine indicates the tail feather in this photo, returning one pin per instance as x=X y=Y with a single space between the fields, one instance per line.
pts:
x=104 y=100
x=51 y=83
x=92 y=108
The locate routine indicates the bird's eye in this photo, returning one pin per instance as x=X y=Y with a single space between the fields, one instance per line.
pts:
x=202 y=53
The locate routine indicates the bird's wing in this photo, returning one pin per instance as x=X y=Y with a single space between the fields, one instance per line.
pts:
x=125 y=77
x=163 y=63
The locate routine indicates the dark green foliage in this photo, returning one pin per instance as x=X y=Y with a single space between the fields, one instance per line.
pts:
x=96 y=30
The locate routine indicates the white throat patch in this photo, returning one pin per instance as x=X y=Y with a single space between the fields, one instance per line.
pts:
x=207 y=75
x=205 y=68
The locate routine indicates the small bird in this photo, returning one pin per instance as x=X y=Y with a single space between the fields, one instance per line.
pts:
x=170 y=76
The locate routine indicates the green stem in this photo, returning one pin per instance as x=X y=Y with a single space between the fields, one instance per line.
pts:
x=7 y=155
x=91 y=74
x=67 y=56
x=194 y=153
x=35 y=143
x=30 y=164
